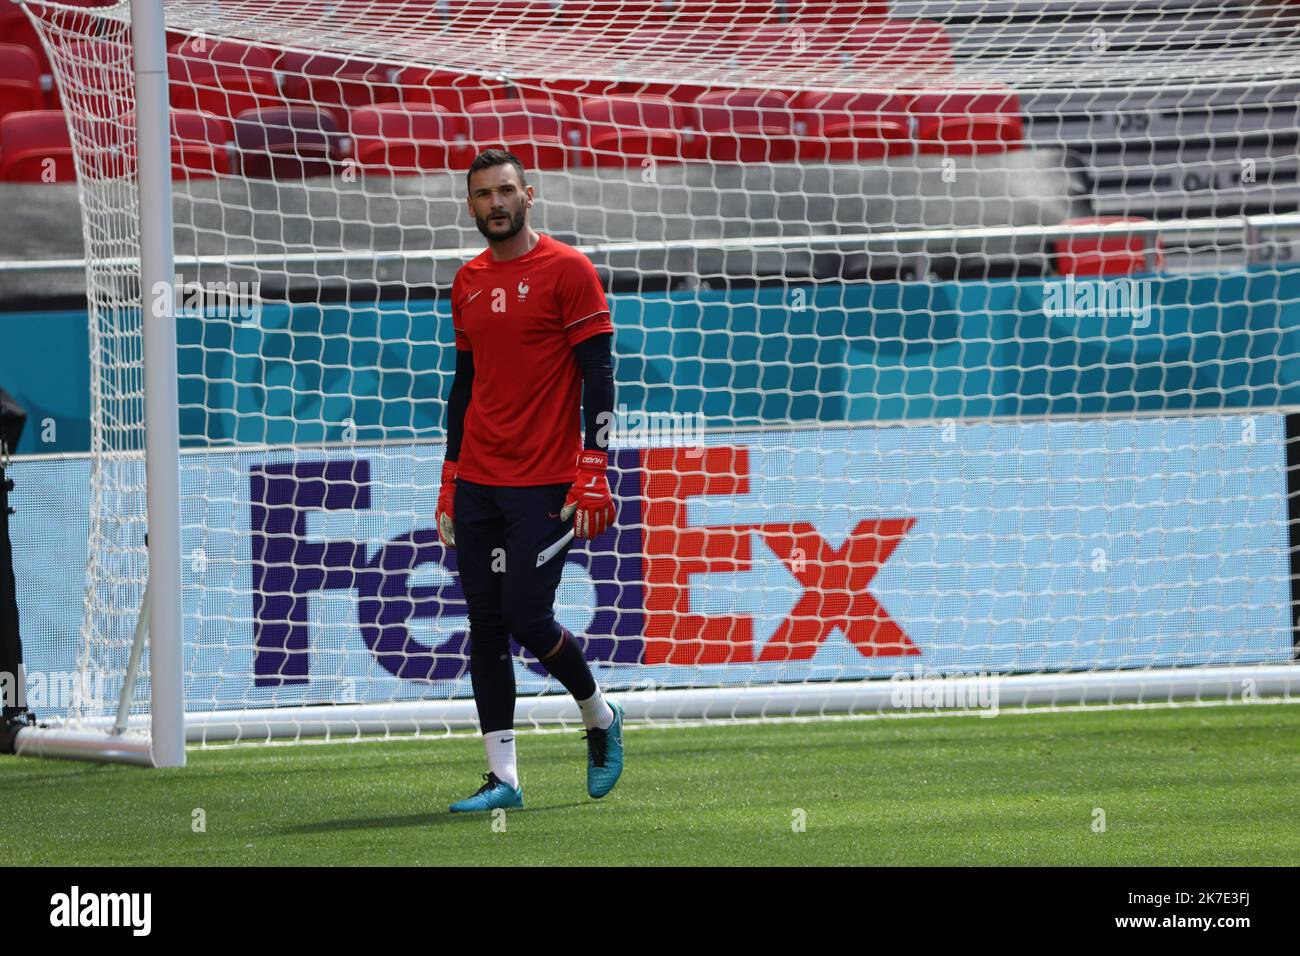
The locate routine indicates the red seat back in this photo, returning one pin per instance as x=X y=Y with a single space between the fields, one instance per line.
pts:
x=819 y=112
x=428 y=121
x=644 y=112
x=967 y=120
x=335 y=83
x=454 y=92
x=746 y=126
x=20 y=80
x=221 y=77
x=200 y=145
x=280 y=143
x=533 y=120
x=745 y=111
x=569 y=95
x=35 y=147
x=530 y=130
x=407 y=139
x=626 y=129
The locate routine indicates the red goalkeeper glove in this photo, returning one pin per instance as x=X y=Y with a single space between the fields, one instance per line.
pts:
x=445 y=512
x=590 y=496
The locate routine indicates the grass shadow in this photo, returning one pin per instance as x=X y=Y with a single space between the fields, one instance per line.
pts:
x=435 y=818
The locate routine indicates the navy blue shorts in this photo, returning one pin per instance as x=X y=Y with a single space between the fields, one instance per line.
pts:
x=502 y=539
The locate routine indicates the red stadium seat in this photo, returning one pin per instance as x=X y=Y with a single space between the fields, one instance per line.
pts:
x=35 y=147
x=1107 y=255
x=409 y=139
x=221 y=77
x=203 y=56
x=967 y=121
x=334 y=84
x=20 y=80
x=974 y=135
x=681 y=94
x=86 y=59
x=567 y=95
x=746 y=126
x=852 y=127
x=201 y=145
x=280 y=143
x=626 y=130
x=94 y=64
x=532 y=130
x=17 y=30
x=453 y=92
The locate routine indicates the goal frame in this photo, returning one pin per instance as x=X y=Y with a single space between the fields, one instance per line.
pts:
x=160 y=615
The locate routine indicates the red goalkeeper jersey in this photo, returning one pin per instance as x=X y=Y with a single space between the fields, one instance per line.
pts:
x=521 y=320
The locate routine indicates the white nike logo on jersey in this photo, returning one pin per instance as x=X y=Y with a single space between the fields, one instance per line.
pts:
x=472 y=296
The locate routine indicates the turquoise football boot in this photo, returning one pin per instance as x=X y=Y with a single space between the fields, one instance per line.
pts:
x=605 y=755
x=492 y=795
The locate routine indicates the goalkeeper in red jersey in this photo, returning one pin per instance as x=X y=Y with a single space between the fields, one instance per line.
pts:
x=519 y=482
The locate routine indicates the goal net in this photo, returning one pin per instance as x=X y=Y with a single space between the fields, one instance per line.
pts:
x=956 y=349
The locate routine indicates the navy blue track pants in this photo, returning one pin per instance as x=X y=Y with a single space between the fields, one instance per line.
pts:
x=500 y=533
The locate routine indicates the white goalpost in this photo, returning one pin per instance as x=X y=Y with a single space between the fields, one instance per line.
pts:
x=159 y=742
x=957 y=344
x=160 y=611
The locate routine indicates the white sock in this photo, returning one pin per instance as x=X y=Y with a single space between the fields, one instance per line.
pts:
x=500 y=747
x=595 y=712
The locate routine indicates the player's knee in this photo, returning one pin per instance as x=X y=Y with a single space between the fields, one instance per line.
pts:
x=489 y=644
x=542 y=639
x=486 y=623
x=529 y=621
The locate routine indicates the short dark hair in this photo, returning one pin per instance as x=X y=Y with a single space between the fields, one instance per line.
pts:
x=494 y=157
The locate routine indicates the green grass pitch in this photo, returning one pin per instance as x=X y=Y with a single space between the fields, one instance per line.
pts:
x=1184 y=786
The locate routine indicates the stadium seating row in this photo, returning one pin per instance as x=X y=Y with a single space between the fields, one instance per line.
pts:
x=227 y=77
x=721 y=126
x=606 y=17
x=314 y=100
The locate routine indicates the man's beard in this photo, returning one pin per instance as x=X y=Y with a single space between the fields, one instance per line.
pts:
x=516 y=224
